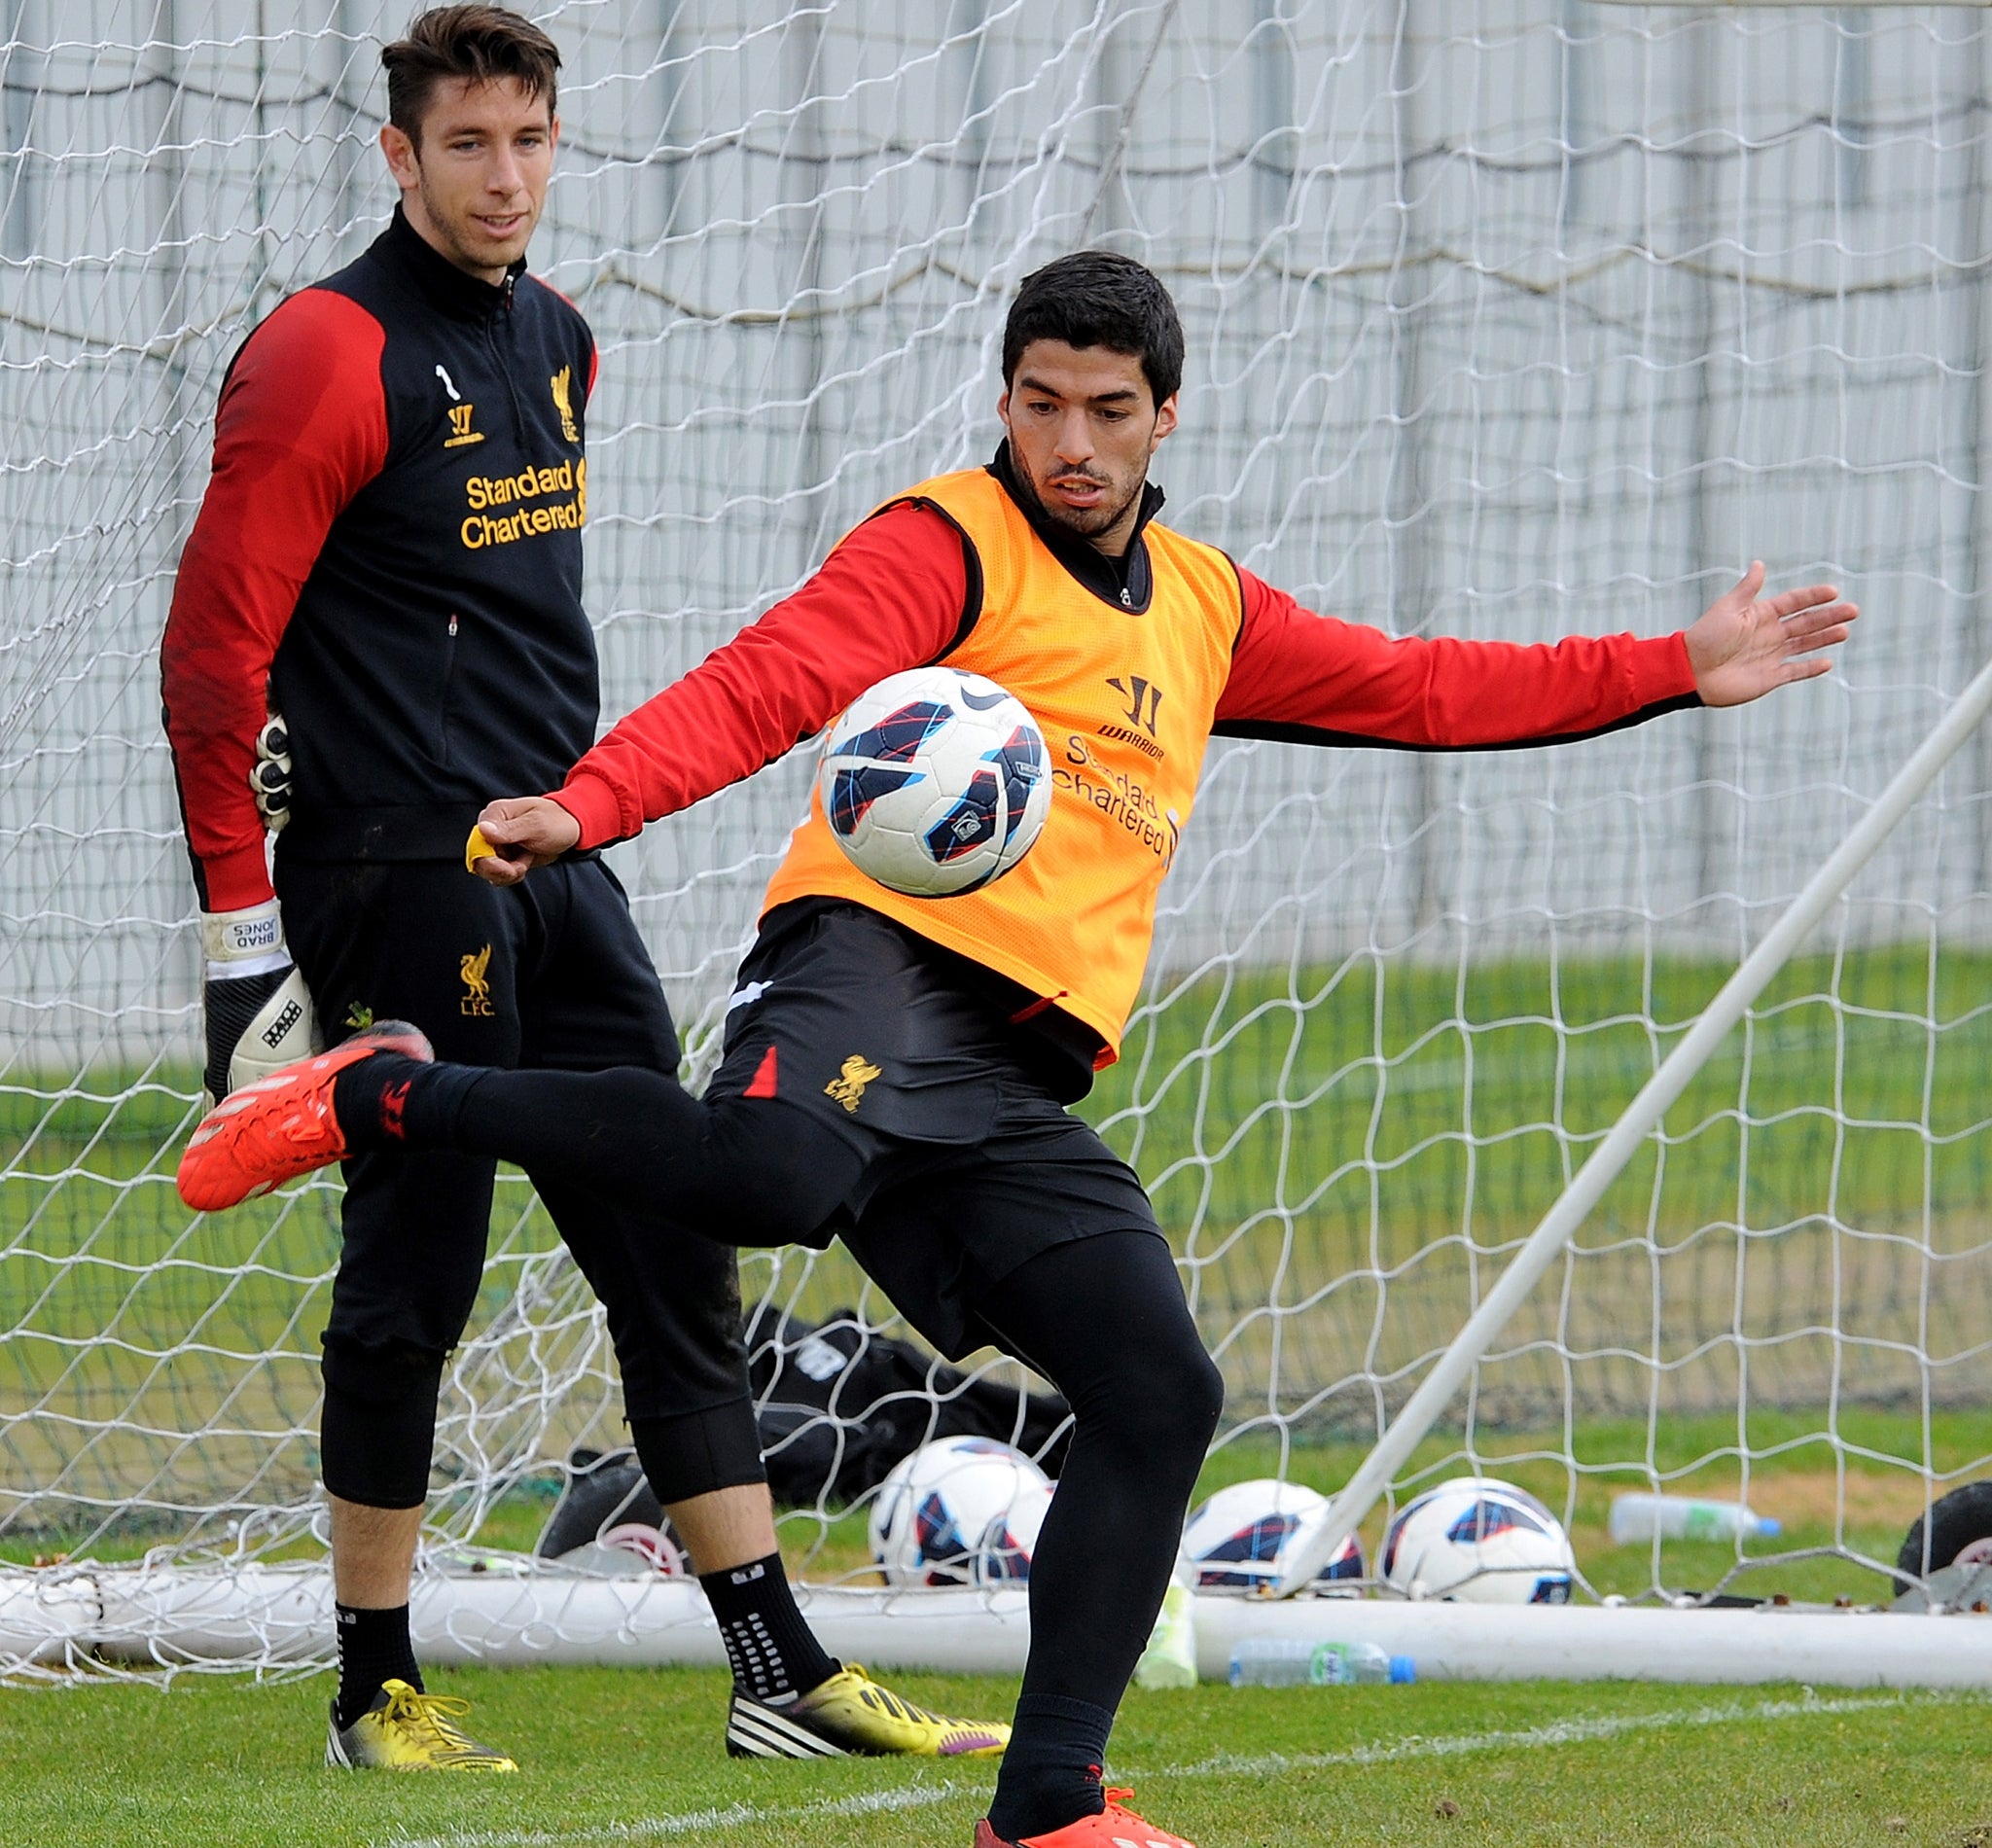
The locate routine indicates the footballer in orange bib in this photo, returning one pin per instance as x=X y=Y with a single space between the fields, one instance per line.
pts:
x=1125 y=706
x=896 y=1070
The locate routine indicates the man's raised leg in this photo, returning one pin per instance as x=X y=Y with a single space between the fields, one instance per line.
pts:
x=761 y=1174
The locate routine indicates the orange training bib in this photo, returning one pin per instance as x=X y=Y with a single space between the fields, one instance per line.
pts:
x=1126 y=702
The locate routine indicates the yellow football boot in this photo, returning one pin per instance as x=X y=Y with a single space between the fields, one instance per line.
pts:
x=851 y=1716
x=408 y=1731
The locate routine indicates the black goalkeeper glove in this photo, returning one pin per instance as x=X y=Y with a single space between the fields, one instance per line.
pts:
x=270 y=776
x=258 y=1009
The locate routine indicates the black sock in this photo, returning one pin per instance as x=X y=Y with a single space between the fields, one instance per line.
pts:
x=774 y=1653
x=390 y=1102
x=1051 y=1772
x=373 y=1648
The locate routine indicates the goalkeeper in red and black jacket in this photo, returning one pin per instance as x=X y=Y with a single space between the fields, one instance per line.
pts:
x=389 y=554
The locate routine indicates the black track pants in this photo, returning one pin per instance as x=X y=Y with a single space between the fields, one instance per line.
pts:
x=747 y=1171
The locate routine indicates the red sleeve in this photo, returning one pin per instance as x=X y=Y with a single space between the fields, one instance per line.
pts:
x=301 y=427
x=894 y=594
x=1312 y=679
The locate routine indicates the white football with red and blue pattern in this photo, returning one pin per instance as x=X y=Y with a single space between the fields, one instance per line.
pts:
x=959 y=1510
x=1239 y=1538
x=935 y=782
x=1477 y=1539
x=1010 y=1540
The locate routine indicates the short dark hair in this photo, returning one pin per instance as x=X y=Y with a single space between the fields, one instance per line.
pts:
x=481 y=44
x=1098 y=298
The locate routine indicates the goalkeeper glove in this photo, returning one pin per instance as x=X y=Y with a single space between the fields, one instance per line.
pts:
x=270 y=776
x=258 y=1009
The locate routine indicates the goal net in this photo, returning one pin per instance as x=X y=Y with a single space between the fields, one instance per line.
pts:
x=1515 y=321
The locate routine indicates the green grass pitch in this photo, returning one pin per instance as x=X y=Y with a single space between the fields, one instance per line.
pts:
x=631 y=1756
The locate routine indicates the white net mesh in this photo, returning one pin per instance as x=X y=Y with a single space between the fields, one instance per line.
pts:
x=1516 y=321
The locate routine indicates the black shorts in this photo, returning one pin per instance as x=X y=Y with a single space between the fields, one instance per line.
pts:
x=972 y=1166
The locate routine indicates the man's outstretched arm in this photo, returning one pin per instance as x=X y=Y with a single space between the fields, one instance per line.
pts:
x=1313 y=679
x=893 y=595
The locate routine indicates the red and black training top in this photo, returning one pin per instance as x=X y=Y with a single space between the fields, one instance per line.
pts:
x=904 y=588
x=391 y=546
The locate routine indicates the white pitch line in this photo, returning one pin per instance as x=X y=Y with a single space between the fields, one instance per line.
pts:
x=690 y=1823
x=1557 y=1733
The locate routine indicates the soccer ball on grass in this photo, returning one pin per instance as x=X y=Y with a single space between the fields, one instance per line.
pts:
x=1239 y=1538
x=1477 y=1539
x=961 y=1510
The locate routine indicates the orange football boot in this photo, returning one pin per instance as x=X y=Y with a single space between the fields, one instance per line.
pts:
x=281 y=1126
x=1112 y=1828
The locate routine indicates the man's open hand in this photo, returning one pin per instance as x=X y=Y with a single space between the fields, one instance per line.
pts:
x=1744 y=645
x=525 y=831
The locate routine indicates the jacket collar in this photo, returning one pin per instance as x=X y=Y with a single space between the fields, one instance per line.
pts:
x=1127 y=582
x=452 y=291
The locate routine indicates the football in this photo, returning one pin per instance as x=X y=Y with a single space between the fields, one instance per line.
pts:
x=1237 y=1539
x=934 y=782
x=1477 y=1539
x=1004 y=1556
x=960 y=1511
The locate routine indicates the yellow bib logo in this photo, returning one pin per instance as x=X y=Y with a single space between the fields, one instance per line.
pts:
x=460 y=432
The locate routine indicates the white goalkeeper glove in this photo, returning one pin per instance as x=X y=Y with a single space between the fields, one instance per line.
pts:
x=270 y=776
x=258 y=1009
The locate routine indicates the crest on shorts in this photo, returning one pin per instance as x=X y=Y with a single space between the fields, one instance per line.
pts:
x=477 y=995
x=849 y=1086
x=563 y=383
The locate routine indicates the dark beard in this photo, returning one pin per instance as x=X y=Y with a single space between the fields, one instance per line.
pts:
x=1087 y=525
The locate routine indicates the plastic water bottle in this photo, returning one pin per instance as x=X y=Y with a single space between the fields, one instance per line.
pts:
x=1170 y=1659
x=1639 y=1517
x=1279 y=1662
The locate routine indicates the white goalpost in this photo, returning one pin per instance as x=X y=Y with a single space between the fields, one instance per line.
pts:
x=1312 y=1550
x=1612 y=1117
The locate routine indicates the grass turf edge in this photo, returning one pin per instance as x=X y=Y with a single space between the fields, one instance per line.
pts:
x=615 y=1756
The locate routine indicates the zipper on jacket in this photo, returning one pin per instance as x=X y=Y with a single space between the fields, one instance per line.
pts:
x=503 y=360
x=444 y=692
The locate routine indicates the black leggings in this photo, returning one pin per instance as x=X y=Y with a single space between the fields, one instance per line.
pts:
x=1102 y=1317
x=758 y=1172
